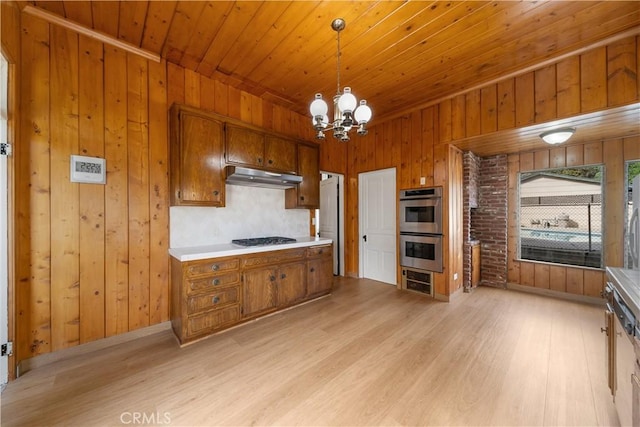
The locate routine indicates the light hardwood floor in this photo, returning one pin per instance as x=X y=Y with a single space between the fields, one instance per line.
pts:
x=366 y=355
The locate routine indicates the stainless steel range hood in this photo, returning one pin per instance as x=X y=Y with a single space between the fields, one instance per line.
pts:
x=258 y=178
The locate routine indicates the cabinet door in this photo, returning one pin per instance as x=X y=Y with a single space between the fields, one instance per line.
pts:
x=307 y=194
x=196 y=151
x=259 y=291
x=319 y=275
x=291 y=286
x=244 y=146
x=280 y=154
x=475 y=265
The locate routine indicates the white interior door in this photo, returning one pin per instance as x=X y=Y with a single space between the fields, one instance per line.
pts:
x=377 y=214
x=4 y=272
x=329 y=221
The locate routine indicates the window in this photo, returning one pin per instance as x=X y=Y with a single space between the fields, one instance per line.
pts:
x=632 y=172
x=561 y=216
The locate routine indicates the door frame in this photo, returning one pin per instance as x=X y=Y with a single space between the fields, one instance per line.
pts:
x=12 y=137
x=341 y=213
x=361 y=222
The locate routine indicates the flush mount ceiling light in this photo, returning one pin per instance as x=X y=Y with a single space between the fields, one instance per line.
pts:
x=557 y=136
x=346 y=111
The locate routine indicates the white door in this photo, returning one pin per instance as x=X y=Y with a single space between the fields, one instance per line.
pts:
x=329 y=216
x=377 y=214
x=4 y=273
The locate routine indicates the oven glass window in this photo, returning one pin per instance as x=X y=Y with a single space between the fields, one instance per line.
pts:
x=419 y=214
x=420 y=250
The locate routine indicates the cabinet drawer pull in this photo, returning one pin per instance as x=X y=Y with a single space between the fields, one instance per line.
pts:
x=215 y=299
x=215 y=267
x=215 y=282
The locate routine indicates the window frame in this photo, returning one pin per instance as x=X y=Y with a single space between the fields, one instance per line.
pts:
x=601 y=212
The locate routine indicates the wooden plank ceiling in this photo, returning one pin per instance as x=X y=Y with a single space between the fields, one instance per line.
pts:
x=398 y=55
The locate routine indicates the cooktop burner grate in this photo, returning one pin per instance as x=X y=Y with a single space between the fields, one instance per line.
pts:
x=262 y=241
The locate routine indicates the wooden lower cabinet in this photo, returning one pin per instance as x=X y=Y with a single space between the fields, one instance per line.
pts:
x=290 y=283
x=213 y=294
x=259 y=292
x=319 y=268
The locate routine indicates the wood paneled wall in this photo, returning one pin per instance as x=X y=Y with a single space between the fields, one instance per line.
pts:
x=97 y=262
x=193 y=89
x=603 y=78
x=93 y=259
x=580 y=281
x=416 y=144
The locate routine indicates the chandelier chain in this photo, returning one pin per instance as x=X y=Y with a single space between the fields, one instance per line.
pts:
x=338 y=62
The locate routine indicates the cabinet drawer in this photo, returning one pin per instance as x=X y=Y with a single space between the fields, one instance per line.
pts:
x=273 y=258
x=212 y=266
x=212 y=283
x=316 y=251
x=215 y=299
x=212 y=320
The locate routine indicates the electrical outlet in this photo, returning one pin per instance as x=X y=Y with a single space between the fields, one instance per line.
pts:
x=455 y=276
x=423 y=180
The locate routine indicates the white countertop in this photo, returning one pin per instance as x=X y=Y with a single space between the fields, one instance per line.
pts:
x=228 y=249
x=627 y=283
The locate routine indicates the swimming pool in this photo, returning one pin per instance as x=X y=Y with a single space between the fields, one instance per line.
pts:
x=563 y=235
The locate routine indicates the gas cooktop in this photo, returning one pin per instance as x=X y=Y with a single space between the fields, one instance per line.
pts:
x=263 y=241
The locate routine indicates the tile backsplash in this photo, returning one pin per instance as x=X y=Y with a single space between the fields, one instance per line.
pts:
x=249 y=212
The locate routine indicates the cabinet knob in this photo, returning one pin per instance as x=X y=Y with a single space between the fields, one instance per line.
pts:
x=282 y=276
x=312 y=269
x=216 y=192
x=215 y=299
x=215 y=267
x=215 y=282
x=302 y=198
x=259 y=159
x=270 y=161
x=272 y=278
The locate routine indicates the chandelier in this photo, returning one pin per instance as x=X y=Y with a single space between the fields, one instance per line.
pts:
x=347 y=114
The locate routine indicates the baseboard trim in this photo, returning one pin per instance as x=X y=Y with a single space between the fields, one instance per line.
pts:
x=44 y=359
x=556 y=294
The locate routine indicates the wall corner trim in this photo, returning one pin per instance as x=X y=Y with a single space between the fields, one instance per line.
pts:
x=89 y=32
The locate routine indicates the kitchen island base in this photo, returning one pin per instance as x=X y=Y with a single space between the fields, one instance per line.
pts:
x=214 y=294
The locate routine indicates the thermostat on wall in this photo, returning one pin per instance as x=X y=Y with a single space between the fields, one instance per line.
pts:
x=90 y=170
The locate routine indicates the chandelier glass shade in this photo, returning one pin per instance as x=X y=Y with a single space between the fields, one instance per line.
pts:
x=347 y=112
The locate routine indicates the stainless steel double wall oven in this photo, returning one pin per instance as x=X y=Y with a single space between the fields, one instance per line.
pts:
x=420 y=236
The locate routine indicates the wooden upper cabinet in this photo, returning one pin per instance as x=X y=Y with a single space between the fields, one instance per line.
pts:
x=307 y=195
x=280 y=154
x=197 y=143
x=244 y=146
x=256 y=149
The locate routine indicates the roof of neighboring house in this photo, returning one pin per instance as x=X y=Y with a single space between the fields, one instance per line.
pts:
x=536 y=175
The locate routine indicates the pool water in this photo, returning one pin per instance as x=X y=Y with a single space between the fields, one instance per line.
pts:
x=560 y=235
